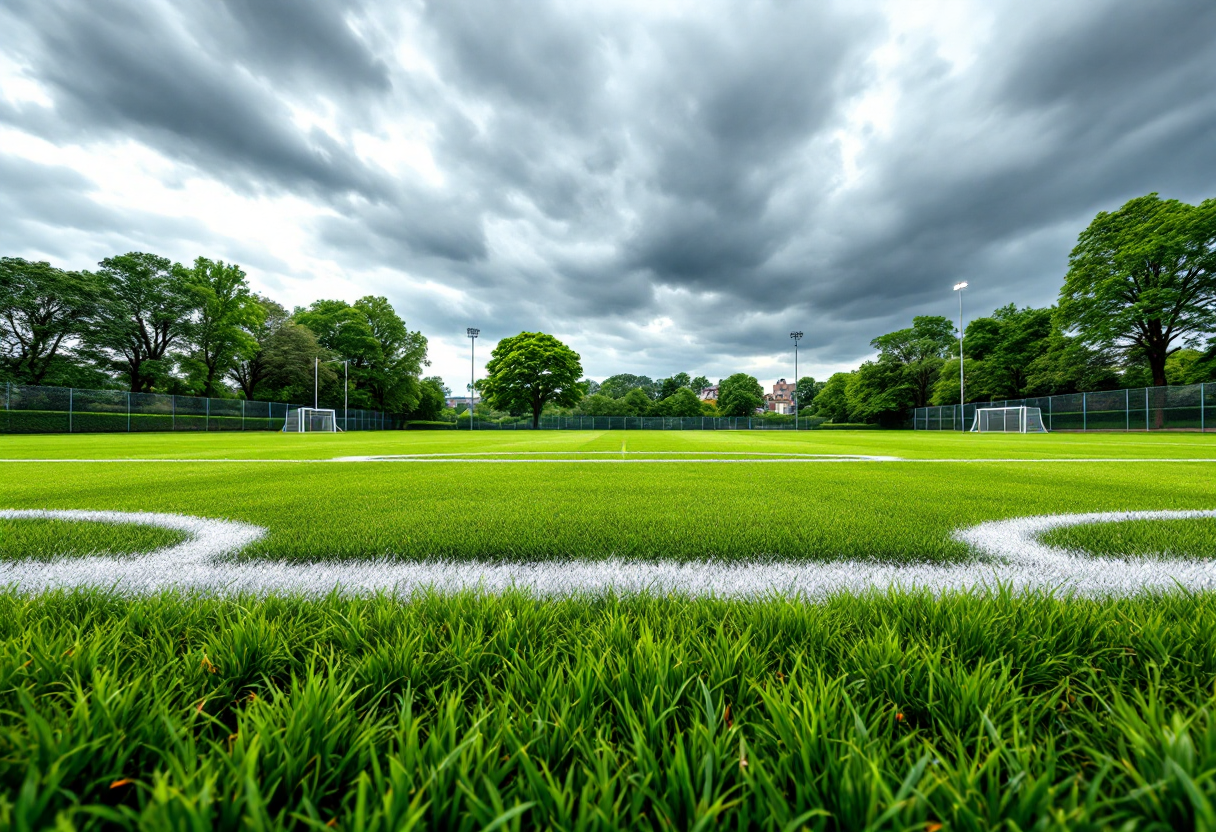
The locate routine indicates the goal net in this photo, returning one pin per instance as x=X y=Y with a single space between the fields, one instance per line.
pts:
x=309 y=420
x=1008 y=420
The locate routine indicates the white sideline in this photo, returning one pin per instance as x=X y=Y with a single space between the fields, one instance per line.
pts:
x=1017 y=559
x=747 y=461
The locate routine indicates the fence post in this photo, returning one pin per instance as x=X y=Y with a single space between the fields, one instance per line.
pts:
x=207 y=416
x=173 y=412
x=1201 y=425
x=1127 y=409
x=128 y=412
x=242 y=415
x=1146 y=410
x=1084 y=415
x=1050 y=425
x=70 y=391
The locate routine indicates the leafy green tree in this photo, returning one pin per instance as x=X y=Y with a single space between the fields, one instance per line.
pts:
x=1068 y=365
x=251 y=372
x=806 y=391
x=597 y=404
x=143 y=312
x=683 y=402
x=432 y=399
x=529 y=370
x=591 y=386
x=832 y=403
x=222 y=331
x=670 y=385
x=42 y=310
x=1004 y=346
x=698 y=384
x=637 y=403
x=739 y=395
x=918 y=352
x=386 y=357
x=618 y=386
x=1143 y=279
x=880 y=391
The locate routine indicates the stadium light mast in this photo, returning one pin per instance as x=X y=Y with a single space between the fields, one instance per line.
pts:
x=472 y=332
x=962 y=399
x=797 y=336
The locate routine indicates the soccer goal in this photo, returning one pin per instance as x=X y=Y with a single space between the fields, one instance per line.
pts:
x=1008 y=420
x=309 y=420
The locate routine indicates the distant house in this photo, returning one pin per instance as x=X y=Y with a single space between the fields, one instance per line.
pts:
x=781 y=400
x=709 y=394
x=455 y=401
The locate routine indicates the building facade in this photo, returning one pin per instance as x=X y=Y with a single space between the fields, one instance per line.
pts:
x=781 y=400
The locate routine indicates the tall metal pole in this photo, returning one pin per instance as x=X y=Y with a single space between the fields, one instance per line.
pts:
x=472 y=332
x=316 y=380
x=962 y=396
x=345 y=392
x=796 y=336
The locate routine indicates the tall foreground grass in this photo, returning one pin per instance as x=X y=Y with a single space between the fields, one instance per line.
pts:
x=470 y=712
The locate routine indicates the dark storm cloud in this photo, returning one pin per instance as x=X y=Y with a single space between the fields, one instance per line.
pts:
x=137 y=70
x=598 y=170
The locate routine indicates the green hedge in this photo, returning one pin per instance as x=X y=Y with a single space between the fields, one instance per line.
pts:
x=49 y=421
x=422 y=424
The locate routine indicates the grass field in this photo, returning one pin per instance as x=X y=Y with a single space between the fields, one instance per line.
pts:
x=977 y=709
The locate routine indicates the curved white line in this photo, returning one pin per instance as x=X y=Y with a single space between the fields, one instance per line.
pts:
x=1020 y=561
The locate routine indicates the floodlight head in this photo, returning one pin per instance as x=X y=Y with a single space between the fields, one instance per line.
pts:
x=795 y=336
x=962 y=285
x=473 y=333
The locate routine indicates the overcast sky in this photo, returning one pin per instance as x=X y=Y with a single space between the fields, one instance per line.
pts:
x=664 y=186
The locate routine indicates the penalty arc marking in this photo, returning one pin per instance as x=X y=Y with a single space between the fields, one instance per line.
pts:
x=1016 y=557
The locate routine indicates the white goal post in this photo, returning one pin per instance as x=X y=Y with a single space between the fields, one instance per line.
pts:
x=310 y=420
x=1008 y=420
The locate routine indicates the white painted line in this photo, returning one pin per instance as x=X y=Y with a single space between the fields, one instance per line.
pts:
x=472 y=460
x=1016 y=558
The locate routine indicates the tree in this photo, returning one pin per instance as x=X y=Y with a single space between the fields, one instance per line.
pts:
x=144 y=309
x=432 y=399
x=832 y=403
x=670 y=385
x=1004 y=346
x=919 y=352
x=42 y=309
x=386 y=357
x=591 y=386
x=698 y=384
x=597 y=404
x=683 y=402
x=618 y=386
x=806 y=391
x=1143 y=279
x=529 y=370
x=1069 y=366
x=221 y=333
x=252 y=371
x=637 y=403
x=880 y=391
x=739 y=395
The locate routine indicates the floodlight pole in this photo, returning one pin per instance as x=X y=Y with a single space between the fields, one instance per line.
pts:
x=316 y=380
x=797 y=336
x=962 y=399
x=472 y=332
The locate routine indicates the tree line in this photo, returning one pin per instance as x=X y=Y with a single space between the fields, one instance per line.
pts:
x=149 y=325
x=1137 y=309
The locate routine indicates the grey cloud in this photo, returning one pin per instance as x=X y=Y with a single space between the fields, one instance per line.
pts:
x=602 y=168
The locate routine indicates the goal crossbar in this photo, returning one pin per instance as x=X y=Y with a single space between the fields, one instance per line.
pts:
x=1008 y=420
x=311 y=420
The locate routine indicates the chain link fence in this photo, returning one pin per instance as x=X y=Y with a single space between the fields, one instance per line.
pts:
x=30 y=409
x=1190 y=407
